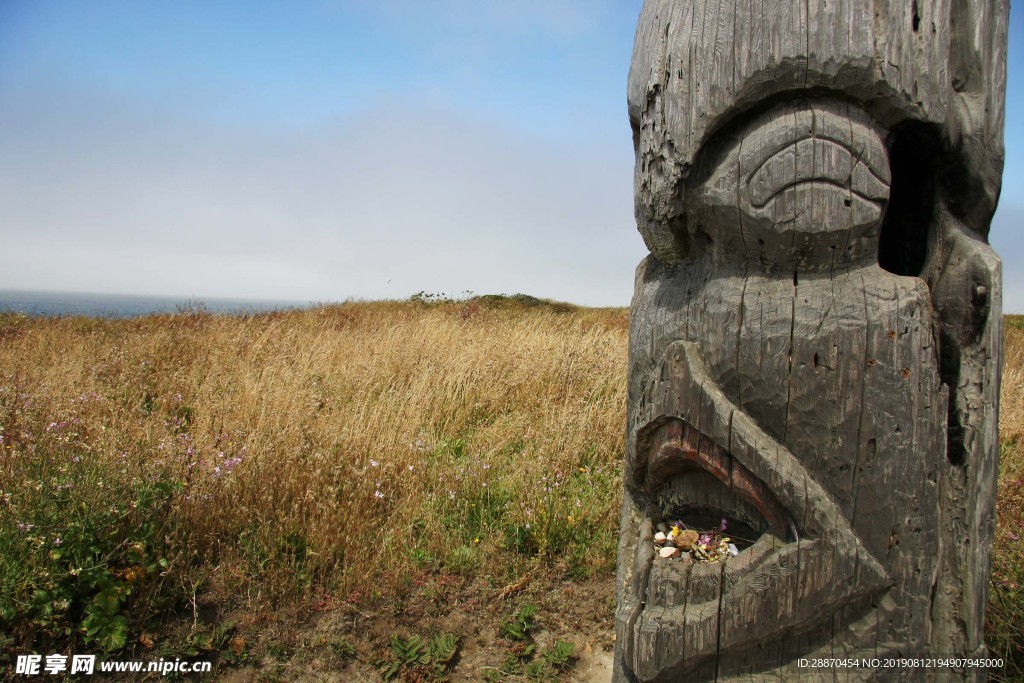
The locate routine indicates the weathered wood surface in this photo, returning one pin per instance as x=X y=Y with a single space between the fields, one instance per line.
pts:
x=815 y=338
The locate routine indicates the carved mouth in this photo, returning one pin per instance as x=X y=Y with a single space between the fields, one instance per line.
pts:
x=691 y=479
x=694 y=480
x=698 y=455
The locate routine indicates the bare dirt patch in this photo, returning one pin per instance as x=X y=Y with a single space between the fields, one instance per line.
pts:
x=335 y=640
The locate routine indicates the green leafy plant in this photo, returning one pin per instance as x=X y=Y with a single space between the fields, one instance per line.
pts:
x=280 y=651
x=403 y=653
x=431 y=659
x=83 y=540
x=559 y=657
x=551 y=664
x=522 y=660
x=104 y=625
x=442 y=650
x=520 y=626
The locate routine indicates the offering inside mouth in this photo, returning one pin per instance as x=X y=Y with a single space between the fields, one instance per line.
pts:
x=697 y=489
x=702 y=520
x=698 y=519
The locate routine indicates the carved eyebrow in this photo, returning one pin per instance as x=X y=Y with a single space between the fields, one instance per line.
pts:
x=772 y=133
x=819 y=161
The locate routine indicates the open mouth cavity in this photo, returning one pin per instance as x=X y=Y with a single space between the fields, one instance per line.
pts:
x=692 y=526
x=705 y=504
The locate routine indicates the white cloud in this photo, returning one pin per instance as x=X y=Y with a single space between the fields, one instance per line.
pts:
x=102 y=196
x=98 y=194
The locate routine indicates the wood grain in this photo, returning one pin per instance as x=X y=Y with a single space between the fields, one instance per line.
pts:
x=785 y=149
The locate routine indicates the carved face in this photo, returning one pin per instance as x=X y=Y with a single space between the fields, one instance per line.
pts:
x=727 y=429
x=781 y=379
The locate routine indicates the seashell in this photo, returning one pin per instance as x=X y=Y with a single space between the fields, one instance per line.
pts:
x=660 y=538
x=668 y=552
x=733 y=550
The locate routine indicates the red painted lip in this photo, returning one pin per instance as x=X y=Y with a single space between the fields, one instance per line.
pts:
x=676 y=447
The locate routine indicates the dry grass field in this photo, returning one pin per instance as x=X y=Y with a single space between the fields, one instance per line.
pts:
x=413 y=490
x=1005 y=627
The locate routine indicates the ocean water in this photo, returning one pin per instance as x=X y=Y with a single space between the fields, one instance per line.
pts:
x=127 y=305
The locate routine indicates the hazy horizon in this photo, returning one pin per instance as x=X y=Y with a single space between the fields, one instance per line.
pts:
x=328 y=149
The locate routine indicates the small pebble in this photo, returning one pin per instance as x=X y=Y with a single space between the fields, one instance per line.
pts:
x=687 y=539
x=660 y=538
x=669 y=552
x=662 y=527
x=733 y=550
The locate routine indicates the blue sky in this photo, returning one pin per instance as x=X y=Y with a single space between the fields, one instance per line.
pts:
x=328 y=149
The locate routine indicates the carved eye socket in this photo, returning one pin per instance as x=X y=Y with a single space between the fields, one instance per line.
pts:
x=821 y=167
x=815 y=174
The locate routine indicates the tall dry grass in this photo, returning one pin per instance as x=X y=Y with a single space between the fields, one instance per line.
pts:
x=1005 y=626
x=339 y=450
x=333 y=450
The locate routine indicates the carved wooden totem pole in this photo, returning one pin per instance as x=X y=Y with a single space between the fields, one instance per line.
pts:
x=815 y=341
